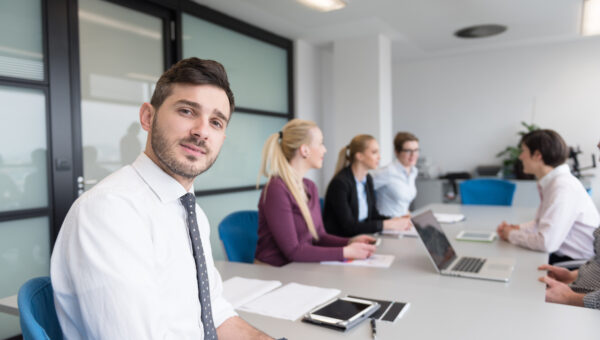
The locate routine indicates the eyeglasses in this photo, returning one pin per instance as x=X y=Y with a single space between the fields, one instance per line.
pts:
x=410 y=151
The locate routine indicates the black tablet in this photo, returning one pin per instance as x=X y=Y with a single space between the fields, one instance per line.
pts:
x=342 y=313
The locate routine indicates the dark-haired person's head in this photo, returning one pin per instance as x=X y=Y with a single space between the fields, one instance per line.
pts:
x=187 y=117
x=406 y=146
x=194 y=71
x=550 y=146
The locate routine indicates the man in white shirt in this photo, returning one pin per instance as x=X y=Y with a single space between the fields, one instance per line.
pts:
x=125 y=265
x=567 y=217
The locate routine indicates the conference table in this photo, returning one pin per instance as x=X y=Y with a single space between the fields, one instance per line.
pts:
x=442 y=307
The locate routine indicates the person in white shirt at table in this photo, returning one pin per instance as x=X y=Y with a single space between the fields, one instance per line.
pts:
x=133 y=258
x=395 y=183
x=567 y=217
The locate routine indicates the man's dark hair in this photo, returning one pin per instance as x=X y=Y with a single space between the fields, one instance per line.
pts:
x=403 y=137
x=549 y=143
x=193 y=71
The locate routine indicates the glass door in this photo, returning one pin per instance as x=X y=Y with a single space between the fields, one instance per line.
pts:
x=122 y=55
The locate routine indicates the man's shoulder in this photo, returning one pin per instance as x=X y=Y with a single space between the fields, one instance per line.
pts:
x=123 y=184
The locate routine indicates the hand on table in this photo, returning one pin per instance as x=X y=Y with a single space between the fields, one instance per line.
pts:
x=504 y=229
x=358 y=250
x=559 y=274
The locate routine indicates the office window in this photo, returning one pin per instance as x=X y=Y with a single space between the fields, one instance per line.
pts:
x=121 y=58
x=257 y=70
x=24 y=254
x=23 y=151
x=21 y=47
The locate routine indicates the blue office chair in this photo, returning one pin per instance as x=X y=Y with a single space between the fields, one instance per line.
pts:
x=239 y=233
x=322 y=202
x=487 y=191
x=36 y=310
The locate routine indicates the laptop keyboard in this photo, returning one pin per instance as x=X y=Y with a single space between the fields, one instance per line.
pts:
x=469 y=264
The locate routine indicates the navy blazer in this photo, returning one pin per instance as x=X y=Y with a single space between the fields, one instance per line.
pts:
x=340 y=213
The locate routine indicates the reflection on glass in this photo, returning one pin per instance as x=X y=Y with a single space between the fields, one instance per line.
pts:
x=23 y=170
x=121 y=60
x=21 y=53
x=24 y=254
x=239 y=160
x=216 y=207
x=257 y=71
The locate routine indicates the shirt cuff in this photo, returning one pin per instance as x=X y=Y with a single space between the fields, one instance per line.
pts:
x=592 y=300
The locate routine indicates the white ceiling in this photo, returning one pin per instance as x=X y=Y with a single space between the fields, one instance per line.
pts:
x=417 y=28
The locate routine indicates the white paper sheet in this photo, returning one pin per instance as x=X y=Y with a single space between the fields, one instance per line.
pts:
x=239 y=290
x=376 y=260
x=291 y=301
x=412 y=232
x=449 y=218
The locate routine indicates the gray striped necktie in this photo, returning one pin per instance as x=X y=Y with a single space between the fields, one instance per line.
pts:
x=189 y=203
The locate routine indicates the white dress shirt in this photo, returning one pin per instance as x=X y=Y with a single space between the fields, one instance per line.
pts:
x=395 y=188
x=565 y=220
x=122 y=266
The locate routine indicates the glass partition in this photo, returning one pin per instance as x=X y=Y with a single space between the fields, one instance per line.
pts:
x=21 y=46
x=257 y=70
x=23 y=149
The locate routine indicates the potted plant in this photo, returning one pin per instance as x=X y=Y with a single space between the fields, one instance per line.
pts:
x=512 y=166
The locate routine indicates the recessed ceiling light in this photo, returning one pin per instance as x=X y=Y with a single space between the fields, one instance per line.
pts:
x=324 y=5
x=480 y=31
x=590 y=24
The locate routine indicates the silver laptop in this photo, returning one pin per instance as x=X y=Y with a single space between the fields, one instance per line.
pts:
x=446 y=261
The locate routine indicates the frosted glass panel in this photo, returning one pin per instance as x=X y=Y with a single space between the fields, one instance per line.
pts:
x=121 y=60
x=24 y=254
x=239 y=160
x=217 y=207
x=257 y=71
x=21 y=53
x=23 y=151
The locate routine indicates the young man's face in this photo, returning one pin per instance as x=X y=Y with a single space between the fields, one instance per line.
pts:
x=188 y=129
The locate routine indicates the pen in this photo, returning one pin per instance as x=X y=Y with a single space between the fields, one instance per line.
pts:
x=373 y=329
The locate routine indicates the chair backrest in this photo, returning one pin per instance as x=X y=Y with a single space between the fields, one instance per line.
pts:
x=487 y=191
x=36 y=310
x=239 y=233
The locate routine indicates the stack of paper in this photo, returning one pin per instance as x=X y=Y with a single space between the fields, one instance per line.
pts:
x=290 y=302
x=376 y=260
x=449 y=218
x=239 y=290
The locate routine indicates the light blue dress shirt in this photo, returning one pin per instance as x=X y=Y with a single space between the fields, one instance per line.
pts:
x=395 y=188
x=363 y=206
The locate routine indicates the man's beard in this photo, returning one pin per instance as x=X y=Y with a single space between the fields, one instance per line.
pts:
x=166 y=154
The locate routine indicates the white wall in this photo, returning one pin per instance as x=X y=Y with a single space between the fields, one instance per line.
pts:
x=466 y=108
x=307 y=89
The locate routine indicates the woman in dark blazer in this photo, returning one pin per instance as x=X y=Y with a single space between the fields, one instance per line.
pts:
x=350 y=207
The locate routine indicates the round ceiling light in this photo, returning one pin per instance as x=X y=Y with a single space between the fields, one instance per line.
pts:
x=480 y=31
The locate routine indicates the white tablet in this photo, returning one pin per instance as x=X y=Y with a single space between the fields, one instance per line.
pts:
x=342 y=313
x=477 y=236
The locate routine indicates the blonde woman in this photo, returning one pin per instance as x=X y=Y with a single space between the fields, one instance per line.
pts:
x=350 y=205
x=290 y=227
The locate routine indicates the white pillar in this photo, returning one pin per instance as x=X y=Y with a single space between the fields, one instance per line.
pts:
x=361 y=96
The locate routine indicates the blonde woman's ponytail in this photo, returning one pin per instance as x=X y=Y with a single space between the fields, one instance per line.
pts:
x=343 y=159
x=277 y=152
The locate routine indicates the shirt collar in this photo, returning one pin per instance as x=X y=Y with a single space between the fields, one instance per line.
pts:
x=401 y=169
x=559 y=170
x=162 y=184
x=363 y=182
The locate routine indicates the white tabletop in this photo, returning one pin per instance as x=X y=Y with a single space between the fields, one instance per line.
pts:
x=9 y=305
x=441 y=307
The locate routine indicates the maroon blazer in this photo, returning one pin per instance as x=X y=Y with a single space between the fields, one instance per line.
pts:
x=283 y=236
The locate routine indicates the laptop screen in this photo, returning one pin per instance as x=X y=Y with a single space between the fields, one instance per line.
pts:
x=435 y=240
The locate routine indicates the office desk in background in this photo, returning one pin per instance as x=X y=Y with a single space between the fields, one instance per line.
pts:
x=441 y=307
